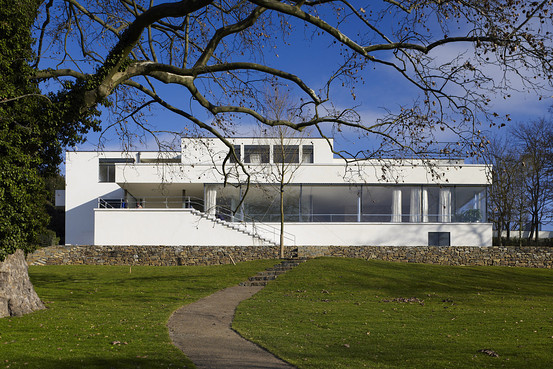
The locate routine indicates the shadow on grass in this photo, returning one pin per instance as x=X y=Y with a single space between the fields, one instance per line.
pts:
x=415 y=279
x=94 y=362
x=70 y=283
x=340 y=313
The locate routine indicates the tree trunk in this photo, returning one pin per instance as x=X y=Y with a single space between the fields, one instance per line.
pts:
x=500 y=231
x=17 y=295
x=531 y=231
x=282 y=220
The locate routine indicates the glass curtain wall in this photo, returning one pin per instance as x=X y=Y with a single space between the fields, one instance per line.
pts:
x=470 y=205
x=329 y=203
x=358 y=203
x=262 y=203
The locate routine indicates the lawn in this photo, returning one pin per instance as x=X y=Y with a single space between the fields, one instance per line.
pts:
x=106 y=317
x=350 y=313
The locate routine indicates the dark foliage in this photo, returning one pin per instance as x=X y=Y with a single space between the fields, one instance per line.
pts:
x=33 y=132
x=547 y=242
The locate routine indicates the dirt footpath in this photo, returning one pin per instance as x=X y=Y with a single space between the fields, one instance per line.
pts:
x=202 y=331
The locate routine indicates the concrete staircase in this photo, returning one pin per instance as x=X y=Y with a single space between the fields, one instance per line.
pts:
x=239 y=227
x=270 y=274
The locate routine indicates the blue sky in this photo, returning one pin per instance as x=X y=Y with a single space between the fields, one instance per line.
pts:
x=313 y=60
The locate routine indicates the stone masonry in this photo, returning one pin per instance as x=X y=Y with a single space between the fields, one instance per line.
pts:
x=149 y=255
x=534 y=257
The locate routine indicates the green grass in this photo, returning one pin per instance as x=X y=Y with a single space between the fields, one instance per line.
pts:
x=343 y=313
x=89 y=307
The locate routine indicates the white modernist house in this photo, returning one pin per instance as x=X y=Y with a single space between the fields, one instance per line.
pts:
x=187 y=198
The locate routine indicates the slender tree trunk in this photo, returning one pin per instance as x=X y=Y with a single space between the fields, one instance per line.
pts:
x=520 y=220
x=281 y=222
x=531 y=232
x=282 y=212
x=500 y=231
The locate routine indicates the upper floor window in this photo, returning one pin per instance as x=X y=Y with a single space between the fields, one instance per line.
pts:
x=256 y=154
x=286 y=154
x=237 y=150
x=161 y=161
x=107 y=168
x=307 y=154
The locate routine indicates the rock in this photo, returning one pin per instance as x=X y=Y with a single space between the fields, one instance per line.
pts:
x=4 y=307
x=489 y=352
x=17 y=295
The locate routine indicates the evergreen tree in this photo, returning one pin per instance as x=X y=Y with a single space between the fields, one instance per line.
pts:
x=33 y=131
x=22 y=191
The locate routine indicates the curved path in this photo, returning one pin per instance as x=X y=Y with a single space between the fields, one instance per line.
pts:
x=202 y=331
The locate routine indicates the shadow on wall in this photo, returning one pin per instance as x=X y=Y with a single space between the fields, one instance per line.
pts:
x=447 y=234
x=79 y=221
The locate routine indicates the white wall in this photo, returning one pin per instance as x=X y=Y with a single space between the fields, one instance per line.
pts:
x=82 y=189
x=167 y=227
x=206 y=153
x=178 y=227
x=306 y=173
x=387 y=234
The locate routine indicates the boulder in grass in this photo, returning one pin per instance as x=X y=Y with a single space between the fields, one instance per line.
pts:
x=17 y=294
x=489 y=352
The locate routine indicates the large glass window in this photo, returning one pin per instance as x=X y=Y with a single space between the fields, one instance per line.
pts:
x=286 y=154
x=262 y=202
x=227 y=201
x=307 y=154
x=329 y=203
x=376 y=204
x=256 y=154
x=106 y=168
x=320 y=203
x=470 y=204
x=433 y=195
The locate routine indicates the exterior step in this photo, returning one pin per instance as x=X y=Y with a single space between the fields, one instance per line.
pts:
x=262 y=278
x=270 y=274
x=279 y=267
x=254 y=283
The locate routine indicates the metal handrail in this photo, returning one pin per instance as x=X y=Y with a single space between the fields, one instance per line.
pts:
x=255 y=224
x=339 y=217
x=223 y=212
x=134 y=203
x=190 y=202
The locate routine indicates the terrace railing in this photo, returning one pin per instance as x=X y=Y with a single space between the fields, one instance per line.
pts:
x=225 y=213
x=219 y=213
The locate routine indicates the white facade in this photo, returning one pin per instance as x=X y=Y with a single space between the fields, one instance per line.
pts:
x=179 y=198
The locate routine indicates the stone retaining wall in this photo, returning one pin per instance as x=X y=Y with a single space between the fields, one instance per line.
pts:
x=535 y=257
x=527 y=256
x=149 y=255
